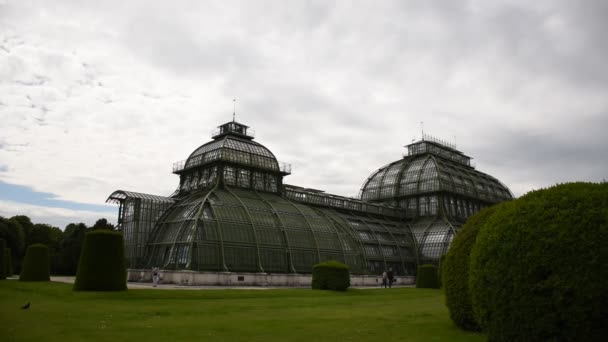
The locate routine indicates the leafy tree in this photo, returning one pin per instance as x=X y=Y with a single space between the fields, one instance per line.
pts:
x=46 y=235
x=102 y=223
x=27 y=225
x=50 y=236
x=11 y=231
x=66 y=262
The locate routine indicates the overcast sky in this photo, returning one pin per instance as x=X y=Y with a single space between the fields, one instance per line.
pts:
x=97 y=96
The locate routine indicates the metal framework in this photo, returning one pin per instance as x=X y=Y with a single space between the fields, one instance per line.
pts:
x=137 y=215
x=232 y=229
x=232 y=212
x=438 y=188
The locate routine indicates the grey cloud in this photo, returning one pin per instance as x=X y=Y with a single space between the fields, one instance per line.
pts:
x=336 y=88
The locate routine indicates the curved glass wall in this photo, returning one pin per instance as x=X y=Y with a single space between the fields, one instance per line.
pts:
x=232 y=149
x=433 y=237
x=438 y=190
x=232 y=229
x=137 y=215
x=426 y=174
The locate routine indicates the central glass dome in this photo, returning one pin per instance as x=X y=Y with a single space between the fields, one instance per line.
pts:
x=233 y=144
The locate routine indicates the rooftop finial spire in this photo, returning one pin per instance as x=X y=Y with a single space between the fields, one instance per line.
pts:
x=233 y=110
x=422 y=128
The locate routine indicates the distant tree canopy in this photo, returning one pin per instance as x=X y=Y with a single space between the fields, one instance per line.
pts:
x=64 y=246
x=102 y=224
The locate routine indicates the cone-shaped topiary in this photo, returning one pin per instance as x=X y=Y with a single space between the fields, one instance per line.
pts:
x=8 y=262
x=330 y=275
x=427 y=277
x=539 y=270
x=2 y=260
x=102 y=262
x=455 y=271
x=36 y=264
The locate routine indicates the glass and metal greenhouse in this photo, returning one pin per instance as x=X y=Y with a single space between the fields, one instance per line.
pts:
x=232 y=212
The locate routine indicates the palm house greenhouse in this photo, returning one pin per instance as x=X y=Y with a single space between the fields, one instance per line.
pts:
x=232 y=213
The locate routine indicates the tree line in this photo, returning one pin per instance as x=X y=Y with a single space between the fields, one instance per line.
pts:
x=64 y=246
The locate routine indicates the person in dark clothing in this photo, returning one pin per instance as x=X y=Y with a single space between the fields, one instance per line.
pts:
x=155 y=276
x=390 y=275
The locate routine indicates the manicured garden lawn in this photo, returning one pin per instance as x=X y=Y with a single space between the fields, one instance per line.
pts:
x=59 y=314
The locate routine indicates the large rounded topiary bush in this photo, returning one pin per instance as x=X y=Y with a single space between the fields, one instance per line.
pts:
x=427 y=277
x=539 y=269
x=36 y=264
x=455 y=271
x=102 y=262
x=330 y=275
x=2 y=260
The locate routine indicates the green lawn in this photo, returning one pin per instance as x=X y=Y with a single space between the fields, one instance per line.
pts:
x=57 y=313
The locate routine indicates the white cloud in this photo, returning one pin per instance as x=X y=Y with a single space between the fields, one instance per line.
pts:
x=59 y=217
x=99 y=96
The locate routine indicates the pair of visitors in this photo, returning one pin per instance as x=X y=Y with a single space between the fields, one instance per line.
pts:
x=155 y=276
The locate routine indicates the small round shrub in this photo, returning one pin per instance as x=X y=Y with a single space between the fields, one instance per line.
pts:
x=36 y=264
x=330 y=275
x=427 y=277
x=8 y=262
x=440 y=270
x=3 y=268
x=102 y=262
x=539 y=270
x=455 y=271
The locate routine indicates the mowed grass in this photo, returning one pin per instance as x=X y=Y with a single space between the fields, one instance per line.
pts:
x=59 y=314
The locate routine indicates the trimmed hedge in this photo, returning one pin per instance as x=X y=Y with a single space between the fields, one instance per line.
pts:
x=8 y=262
x=538 y=268
x=427 y=277
x=36 y=264
x=102 y=264
x=330 y=275
x=455 y=271
x=440 y=270
x=3 y=267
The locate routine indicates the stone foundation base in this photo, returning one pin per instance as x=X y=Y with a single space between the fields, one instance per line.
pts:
x=251 y=279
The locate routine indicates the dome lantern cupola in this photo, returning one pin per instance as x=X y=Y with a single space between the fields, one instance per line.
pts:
x=232 y=158
x=232 y=128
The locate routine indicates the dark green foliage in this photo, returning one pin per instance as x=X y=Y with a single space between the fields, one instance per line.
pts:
x=26 y=224
x=70 y=247
x=8 y=263
x=440 y=270
x=3 y=268
x=64 y=246
x=37 y=264
x=102 y=223
x=427 y=277
x=102 y=263
x=330 y=275
x=538 y=268
x=12 y=232
x=50 y=236
x=455 y=271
